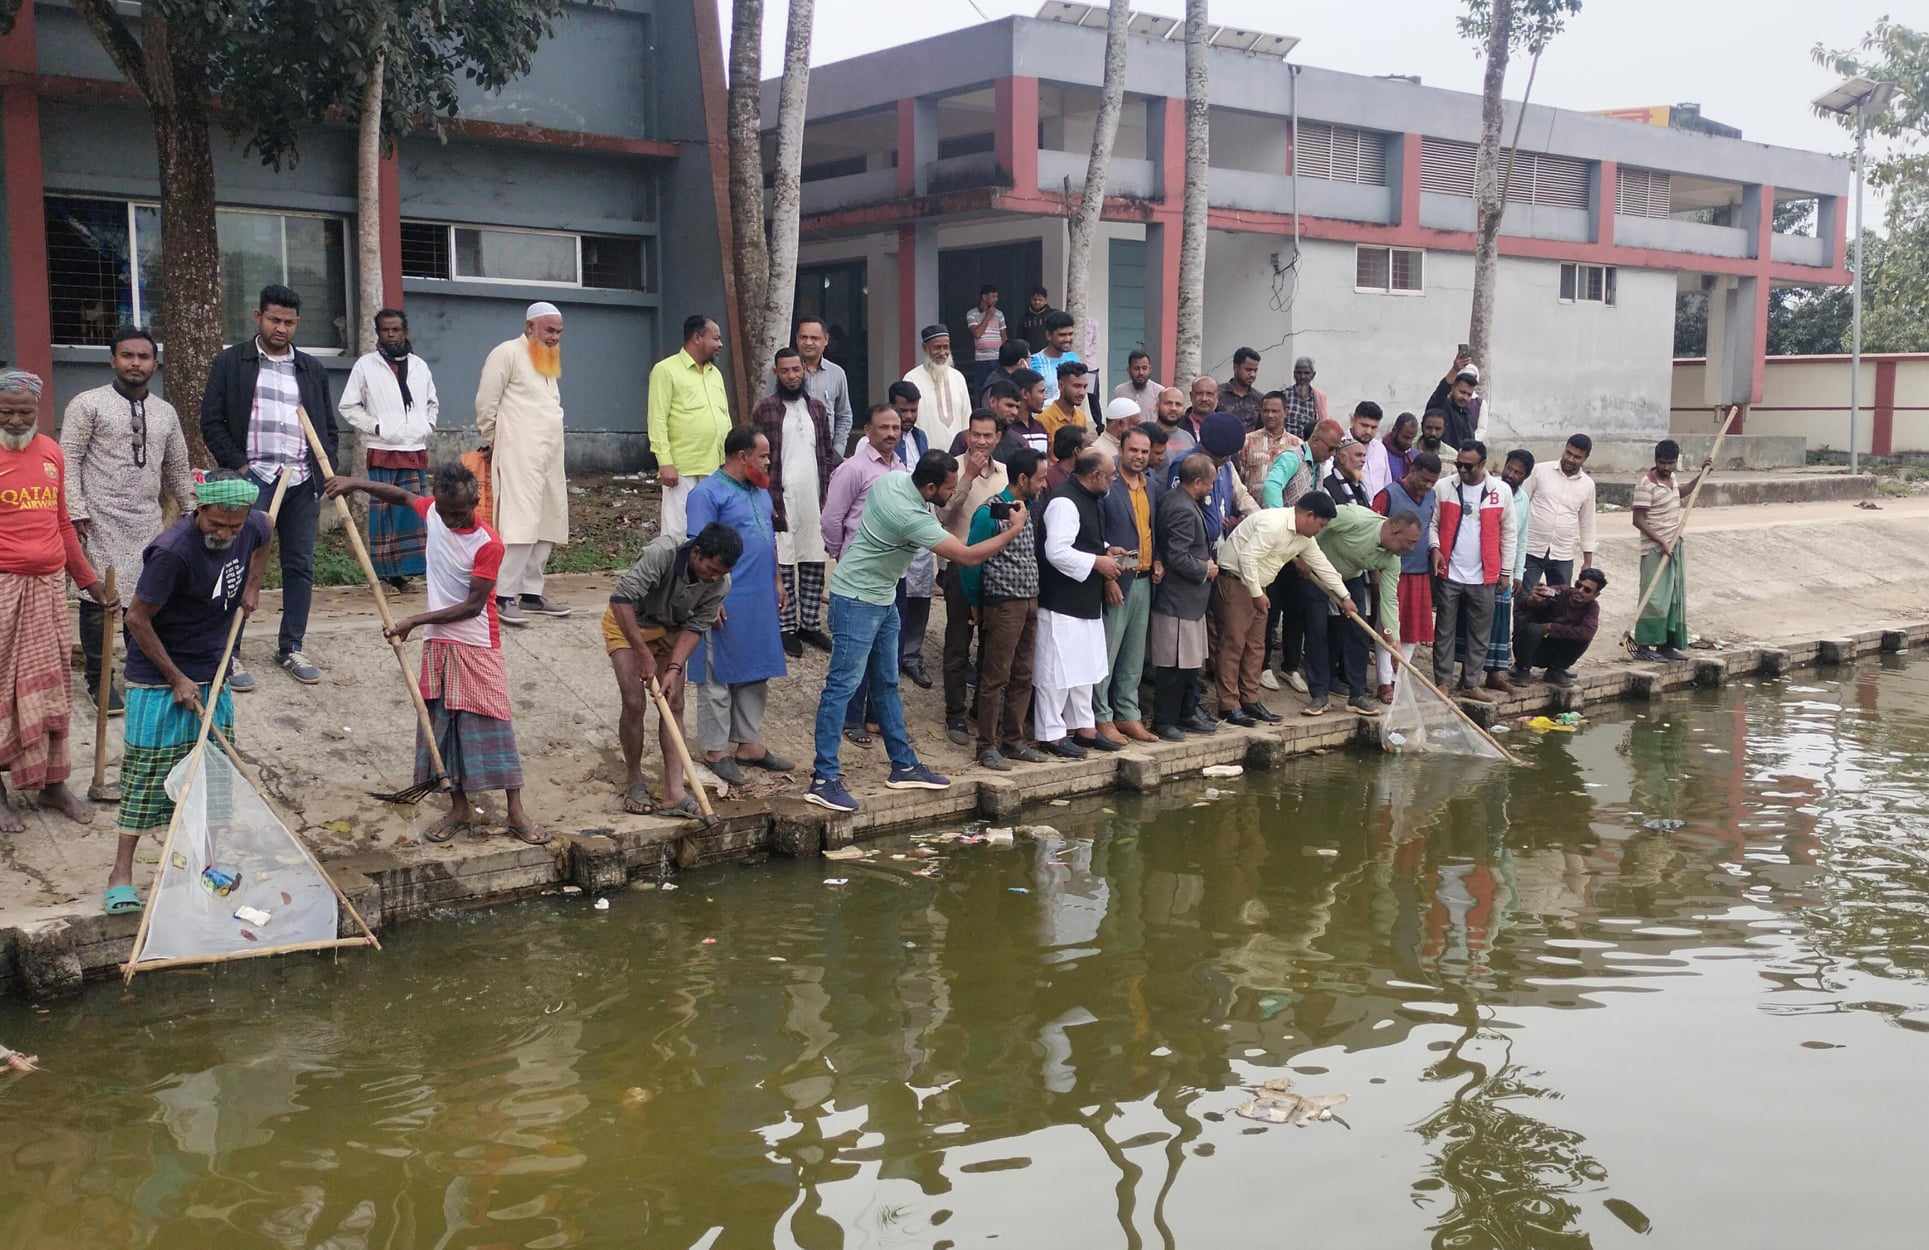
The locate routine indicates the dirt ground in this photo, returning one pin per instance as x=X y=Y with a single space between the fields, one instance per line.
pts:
x=1755 y=573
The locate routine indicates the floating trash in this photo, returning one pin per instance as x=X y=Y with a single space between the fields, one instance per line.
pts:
x=602 y=904
x=1223 y=770
x=1277 y=1104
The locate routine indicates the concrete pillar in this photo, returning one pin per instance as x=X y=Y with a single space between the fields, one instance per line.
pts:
x=390 y=199
x=1737 y=340
x=1832 y=227
x=25 y=212
x=1607 y=177
x=1015 y=143
x=917 y=288
x=917 y=144
x=1404 y=172
x=1757 y=216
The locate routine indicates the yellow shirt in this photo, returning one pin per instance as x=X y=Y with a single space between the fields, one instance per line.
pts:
x=1141 y=501
x=689 y=414
x=1057 y=415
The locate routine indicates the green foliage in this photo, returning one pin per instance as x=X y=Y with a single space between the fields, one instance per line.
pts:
x=1535 y=22
x=1891 y=52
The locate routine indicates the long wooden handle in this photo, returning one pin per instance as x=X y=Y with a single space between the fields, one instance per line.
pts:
x=1413 y=671
x=381 y=601
x=668 y=713
x=107 y=614
x=1694 y=497
x=129 y=968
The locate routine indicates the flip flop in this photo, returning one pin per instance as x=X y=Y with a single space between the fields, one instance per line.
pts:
x=685 y=807
x=859 y=738
x=637 y=802
x=120 y=900
x=534 y=835
x=446 y=831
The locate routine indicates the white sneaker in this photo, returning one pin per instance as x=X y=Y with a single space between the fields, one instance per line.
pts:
x=1269 y=681
x=1296 y=681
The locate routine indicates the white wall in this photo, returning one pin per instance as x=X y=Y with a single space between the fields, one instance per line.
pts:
x=1558 y=367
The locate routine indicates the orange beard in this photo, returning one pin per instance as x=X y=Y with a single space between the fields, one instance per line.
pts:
x=548 y=361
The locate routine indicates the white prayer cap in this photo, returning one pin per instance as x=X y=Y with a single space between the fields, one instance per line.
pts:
x=1469 y=372
x=1122 y=409
x=541 y=308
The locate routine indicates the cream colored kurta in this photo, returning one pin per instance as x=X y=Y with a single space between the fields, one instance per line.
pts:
x=944 y=403
x=519 y=413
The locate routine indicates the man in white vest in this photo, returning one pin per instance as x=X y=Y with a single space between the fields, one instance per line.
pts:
x=519 y=414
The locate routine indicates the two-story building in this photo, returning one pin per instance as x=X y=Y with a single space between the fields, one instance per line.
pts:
x=1340 y=227
x=564 y=187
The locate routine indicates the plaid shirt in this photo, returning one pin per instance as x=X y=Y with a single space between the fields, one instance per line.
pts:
x=1302 y=411
x=275 y=441
x=1013 y=572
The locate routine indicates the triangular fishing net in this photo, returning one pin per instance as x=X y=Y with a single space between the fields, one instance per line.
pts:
x=1420 y=722
x=233 y=882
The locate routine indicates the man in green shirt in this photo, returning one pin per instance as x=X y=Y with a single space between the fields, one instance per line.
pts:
x=689 y=417
x=1359 y=540
x=897 y=523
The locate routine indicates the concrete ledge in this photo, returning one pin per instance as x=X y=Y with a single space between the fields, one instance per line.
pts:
x=46 y=958
x=1736 y=492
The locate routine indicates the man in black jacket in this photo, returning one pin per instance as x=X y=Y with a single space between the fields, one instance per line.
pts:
x=1455 y=397
x=249 y=421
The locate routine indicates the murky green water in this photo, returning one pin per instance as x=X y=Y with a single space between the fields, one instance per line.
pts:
x=1561 y=1019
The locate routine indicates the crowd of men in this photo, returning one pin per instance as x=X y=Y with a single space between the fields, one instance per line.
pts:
x=1137 y=570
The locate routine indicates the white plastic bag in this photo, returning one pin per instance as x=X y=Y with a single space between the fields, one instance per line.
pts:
x=1421 y=722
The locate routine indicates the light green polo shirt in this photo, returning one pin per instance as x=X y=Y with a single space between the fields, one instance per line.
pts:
x=896 y=525
x=1351 y=542
x=689 y=414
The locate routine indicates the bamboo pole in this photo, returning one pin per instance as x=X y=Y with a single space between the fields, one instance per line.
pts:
x=1413 y=671
x=1694 y=497
x=98 y=790
x=381 y=601
x=188 y=961
x=668 y=713
x=200 y=741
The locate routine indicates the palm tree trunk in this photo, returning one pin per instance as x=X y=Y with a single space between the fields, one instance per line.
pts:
x=780 y=288
x=1190 y=318
x=1489 y=197
x=1084 y=223
x=752 y=258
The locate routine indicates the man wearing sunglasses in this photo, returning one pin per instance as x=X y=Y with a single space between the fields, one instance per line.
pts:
x=125 y=451
x=1474 y=526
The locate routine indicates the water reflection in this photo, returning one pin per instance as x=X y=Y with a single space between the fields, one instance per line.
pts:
x=1045 y=1044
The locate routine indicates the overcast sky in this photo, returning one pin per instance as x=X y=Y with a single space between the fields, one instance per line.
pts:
x=1746 y=62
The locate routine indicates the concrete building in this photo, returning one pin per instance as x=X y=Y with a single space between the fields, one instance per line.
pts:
x=563 y=187
x=1341 y=222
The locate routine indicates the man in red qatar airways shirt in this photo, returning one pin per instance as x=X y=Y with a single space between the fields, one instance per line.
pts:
x=38 y=548
x=464 y=680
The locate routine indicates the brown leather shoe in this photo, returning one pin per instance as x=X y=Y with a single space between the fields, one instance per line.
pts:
x=1498 y=681
x=1109 y=731
x=1136 y=731
x=1385 y=695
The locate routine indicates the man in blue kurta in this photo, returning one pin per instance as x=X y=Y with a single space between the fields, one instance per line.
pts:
x=744 y=649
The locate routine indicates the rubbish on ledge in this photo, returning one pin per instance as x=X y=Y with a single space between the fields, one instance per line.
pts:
x=1223 y=770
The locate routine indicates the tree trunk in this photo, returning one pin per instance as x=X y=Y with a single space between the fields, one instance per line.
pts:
x=780 y=288
x=1084 y=224
x=191 y=321
x=1489 y=198
x=1191 y=312
x=752 y=259
x=368 y=206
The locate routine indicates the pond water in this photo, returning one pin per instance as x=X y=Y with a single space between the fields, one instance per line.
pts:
x=1669 y=985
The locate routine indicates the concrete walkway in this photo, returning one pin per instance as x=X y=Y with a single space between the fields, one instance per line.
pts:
x=1791 y=571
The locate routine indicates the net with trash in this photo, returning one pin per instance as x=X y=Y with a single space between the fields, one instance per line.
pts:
x=234 y=881
x=1421 y=722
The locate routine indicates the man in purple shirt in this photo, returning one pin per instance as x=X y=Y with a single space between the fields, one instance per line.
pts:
x=851 y=480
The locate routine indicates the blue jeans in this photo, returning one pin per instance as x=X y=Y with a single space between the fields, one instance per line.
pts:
x=864 y=651
x=295 y=527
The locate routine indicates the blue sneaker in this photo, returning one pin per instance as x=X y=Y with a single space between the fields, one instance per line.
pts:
x=832 y=794
x=240 y=680
x=916 y=777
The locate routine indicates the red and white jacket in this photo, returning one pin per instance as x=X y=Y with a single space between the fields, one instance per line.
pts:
x=1496 y=523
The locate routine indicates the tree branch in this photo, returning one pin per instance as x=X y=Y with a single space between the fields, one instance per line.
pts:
x=111 y=30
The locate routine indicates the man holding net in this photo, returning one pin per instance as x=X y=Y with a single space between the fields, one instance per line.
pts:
x=194 y=577
x=464 y=681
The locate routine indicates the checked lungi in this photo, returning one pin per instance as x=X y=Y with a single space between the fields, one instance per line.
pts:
x=467 y=690
x=397 y=537
x=803 y=596
x=1500 y=635
x=159 y=735
x=34 y=699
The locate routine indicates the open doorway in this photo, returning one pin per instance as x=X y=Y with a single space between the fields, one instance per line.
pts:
x=1014 y=268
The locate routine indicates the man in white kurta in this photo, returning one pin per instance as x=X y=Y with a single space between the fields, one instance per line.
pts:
x=944 y=408
x=519 y=414
x=1068 y=661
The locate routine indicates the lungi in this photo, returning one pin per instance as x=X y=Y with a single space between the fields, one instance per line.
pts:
x=1500 y=635
x=467 y=690
x=397 y=537
x=159 y=733
x=1664 y=622
x=34 y=700
x=1416 y=607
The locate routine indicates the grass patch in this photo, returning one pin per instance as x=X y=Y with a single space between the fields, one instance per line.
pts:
x=610 y=522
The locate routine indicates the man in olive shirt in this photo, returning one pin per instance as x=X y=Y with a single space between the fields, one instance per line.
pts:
x=658 y=613
x=1359 y=540
x=689 y=415
x=896 y=524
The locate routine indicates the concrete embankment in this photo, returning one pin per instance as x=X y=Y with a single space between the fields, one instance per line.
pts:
x=1779 y=586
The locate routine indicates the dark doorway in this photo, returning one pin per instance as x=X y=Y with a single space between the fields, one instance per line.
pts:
x=838 y=293
x=1014 y=268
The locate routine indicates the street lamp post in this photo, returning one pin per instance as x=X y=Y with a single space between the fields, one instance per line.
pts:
x=1858 y=97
